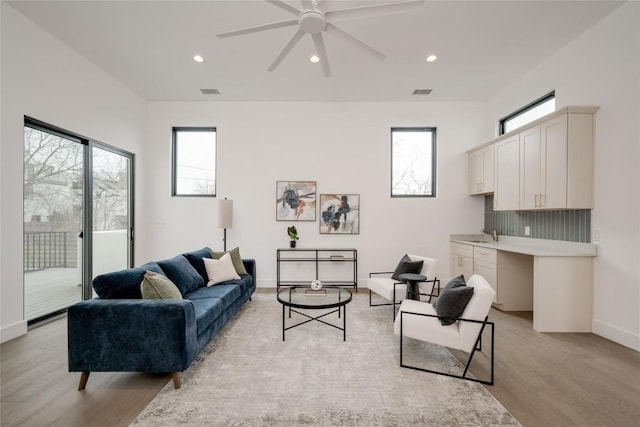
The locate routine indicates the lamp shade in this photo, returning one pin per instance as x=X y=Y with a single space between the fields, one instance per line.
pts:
x=225 y=213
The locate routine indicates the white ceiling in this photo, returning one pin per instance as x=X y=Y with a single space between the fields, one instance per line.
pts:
x=148 y=46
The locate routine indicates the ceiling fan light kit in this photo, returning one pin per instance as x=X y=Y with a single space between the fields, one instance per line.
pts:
x=314 y=21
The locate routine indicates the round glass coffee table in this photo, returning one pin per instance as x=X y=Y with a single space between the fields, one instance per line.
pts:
x=303 y=297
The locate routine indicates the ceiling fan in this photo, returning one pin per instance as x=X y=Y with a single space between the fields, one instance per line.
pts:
x=314 y=20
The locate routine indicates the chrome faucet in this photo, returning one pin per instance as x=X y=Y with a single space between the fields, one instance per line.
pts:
x=493 y=234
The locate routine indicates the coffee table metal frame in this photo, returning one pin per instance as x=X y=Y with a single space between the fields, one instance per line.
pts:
x=284 y=297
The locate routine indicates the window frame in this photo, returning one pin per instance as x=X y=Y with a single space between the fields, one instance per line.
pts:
x=434 y=160
x=174 y=158
x=525 y=109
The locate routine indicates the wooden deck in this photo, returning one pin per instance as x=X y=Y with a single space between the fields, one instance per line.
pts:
x=50 y=290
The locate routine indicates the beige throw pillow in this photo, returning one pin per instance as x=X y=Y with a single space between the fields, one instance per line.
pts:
x=235 y=258
x=220 y=270
x=156 y=286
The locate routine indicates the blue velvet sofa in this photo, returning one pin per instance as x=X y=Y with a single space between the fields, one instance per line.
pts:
x=122 y=332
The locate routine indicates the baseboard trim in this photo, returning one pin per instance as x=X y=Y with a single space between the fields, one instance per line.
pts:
x=615 y=334
x=15 y=330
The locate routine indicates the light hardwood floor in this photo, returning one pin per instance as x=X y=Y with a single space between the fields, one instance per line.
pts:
x=546 y=379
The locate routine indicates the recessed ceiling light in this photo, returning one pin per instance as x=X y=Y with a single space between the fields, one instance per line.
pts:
x=314 y=59
x=431 y=58
x=198 y=58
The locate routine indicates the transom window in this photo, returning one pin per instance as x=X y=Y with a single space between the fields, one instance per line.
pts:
x=530 y=112
x=194 y=162
x=413 y=162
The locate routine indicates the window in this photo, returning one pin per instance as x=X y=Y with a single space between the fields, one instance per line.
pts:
x=533 y=111
x=194 y=162
x=413 y=162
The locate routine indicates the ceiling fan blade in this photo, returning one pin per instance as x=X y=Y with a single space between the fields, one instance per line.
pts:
x=332 y=29
x=307 y=4
x=322 y=53
x=294 y=40
x=288 y=23
x=375 y=10
x=286 y=6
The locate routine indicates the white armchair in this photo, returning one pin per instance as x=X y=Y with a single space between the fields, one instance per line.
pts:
x=419 y=320
x=395 y=291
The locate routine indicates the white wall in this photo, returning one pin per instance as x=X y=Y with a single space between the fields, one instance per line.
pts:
x=43 y=78
x=345 y=147
x=602 y=67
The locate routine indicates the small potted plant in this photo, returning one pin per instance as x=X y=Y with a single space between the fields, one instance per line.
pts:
x=293 y=235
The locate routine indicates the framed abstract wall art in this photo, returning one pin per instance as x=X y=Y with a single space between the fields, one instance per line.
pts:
x=295 y=200
x=339 y=214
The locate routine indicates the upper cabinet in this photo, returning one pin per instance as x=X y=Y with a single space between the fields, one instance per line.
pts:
x=506 y=196
x=547 y=164
x=481 y=170
x=544 y=165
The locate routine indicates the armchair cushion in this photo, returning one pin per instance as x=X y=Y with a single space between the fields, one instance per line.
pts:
x=453 y=300
x=406 y=265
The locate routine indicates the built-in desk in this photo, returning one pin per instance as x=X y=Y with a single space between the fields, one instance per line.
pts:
x=552 y=278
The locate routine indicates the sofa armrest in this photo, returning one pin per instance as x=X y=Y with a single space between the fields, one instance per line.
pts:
x=131 y=335
x=250 y=266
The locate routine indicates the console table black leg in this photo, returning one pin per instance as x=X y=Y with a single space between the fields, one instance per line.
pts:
x=283 y=317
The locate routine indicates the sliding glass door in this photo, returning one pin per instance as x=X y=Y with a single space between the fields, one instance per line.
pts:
x=111 y=203
x=77 y=216
x=53 y=221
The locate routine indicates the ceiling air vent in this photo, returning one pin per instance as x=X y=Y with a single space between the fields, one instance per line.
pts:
x=422 y=92
x=210 y=91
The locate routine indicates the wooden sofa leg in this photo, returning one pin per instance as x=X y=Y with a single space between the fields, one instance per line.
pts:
x=84 y=377
x=176 y=379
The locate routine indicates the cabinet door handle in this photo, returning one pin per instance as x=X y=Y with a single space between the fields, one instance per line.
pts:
x=535 y=203
x=541 y=200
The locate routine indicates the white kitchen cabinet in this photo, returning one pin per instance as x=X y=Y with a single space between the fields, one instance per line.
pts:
x=543 y=165
x=548 y=164
x=481 y=170
x=506 y=196
x=461 y=260
x=485 y=264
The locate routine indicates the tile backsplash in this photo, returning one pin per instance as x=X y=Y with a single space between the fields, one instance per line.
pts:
x=570 y=225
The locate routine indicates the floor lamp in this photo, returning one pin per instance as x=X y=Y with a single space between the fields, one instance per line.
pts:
x=225 y=217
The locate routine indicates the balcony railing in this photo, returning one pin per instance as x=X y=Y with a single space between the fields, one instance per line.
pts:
x=50 y=249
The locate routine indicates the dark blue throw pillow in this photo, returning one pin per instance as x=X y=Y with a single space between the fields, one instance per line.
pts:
x=180 y=272
x=124 y=284
x=453 y=300
x=195 y=259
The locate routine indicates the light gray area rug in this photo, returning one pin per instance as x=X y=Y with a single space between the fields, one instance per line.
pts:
x=247 y=376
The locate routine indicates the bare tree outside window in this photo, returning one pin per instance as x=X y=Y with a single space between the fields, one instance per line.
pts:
x=413 y=161
x=53 y=168
x=110 y=191
x=194 y=162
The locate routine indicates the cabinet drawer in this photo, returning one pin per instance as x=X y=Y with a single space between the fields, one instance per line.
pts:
x=462 y=249
x=484 y=254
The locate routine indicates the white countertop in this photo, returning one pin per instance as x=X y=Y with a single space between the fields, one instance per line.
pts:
x=528 y=246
